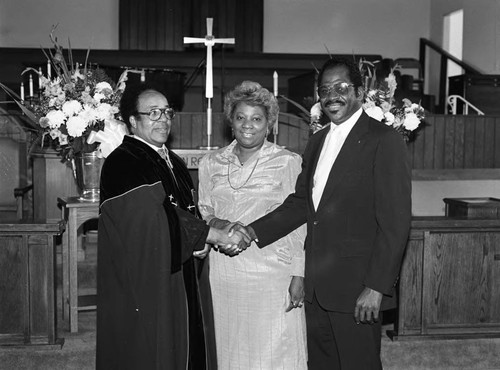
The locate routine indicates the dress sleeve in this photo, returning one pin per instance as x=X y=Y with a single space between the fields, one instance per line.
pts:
x=297 y=237
x=205 y=187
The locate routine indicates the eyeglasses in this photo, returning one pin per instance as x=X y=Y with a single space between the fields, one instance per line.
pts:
x=155 y=114
x=340 y=88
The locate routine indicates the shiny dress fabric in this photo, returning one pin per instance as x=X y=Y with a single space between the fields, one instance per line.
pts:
x=250 y=291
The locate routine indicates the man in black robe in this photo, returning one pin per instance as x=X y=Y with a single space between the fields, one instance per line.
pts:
x=154 y=306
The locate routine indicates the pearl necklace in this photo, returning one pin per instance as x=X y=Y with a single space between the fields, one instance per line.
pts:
x=229 y=178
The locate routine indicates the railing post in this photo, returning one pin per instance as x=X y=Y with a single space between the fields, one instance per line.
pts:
x=421 y=57
x=442 y=83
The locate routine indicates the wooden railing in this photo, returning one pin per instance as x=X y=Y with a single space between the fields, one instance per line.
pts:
x=457 y=142
x=443 y=73
x=444 y=142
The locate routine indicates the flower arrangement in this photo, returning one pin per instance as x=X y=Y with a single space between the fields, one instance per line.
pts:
x=380 y=103
x=73 y=106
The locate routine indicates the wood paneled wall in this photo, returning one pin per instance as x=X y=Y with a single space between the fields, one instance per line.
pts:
x=162 y=24
x=457 y=142
x=445 y=142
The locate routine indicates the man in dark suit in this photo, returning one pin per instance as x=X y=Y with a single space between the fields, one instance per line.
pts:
x=354 y=192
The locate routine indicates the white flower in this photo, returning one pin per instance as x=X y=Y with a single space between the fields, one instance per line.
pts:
x=98 y=97
x=101 y=87
x=88 y=114
x=71 y=108
x=54 y=134
x=411 y=121
x=63 y=139
x=375 y=112
x=55 y=118
x=76 y=126
x=391 y=84
x=105 y=111
x=385 y=106
x=369 y=104
x=77 y=75
x=316 y=112
x=389 y=118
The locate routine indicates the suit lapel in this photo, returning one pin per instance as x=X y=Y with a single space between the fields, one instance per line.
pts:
x=346 y=156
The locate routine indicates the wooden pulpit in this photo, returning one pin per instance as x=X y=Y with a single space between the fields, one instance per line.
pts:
x=27 y=284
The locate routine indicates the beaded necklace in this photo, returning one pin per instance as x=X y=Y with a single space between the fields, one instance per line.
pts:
x=229 y=178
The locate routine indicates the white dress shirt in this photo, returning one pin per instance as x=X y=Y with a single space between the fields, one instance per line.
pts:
x=331 y=148
x=162 y=151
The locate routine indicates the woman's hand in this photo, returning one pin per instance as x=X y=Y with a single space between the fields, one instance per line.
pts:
x=204 y=252
x=296 y=291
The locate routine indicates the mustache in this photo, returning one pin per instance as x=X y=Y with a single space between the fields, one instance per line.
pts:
x=333 y=101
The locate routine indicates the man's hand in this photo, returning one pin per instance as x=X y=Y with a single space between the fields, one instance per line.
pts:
x=230 y=240
x=247 y=230
x=296 y=291
x=367 y=306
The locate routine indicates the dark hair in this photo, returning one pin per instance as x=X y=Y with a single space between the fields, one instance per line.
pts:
x=351 y=66
x=251 y=93
x=130 y=100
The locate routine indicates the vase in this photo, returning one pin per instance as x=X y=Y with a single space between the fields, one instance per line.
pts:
x=87 y=173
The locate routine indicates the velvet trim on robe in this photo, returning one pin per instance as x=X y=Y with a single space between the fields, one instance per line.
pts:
x=152 y=311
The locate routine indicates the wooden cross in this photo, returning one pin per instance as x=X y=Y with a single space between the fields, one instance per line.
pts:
x=209 y=40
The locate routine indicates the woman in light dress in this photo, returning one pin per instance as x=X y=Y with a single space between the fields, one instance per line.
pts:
x=258 y=294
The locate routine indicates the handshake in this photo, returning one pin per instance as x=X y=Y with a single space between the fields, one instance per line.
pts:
x=231 y=237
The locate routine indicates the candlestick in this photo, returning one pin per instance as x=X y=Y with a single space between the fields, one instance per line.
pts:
x=209 y=121
x=275 y=89
x=49 y=72
x=22 y=90
x=31 y=85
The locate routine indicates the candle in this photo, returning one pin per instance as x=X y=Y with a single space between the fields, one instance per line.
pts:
x=143 y=76
x=31 y=85
x=275 y=83
x=48 y=69
x=39 y=78
x=22 y=90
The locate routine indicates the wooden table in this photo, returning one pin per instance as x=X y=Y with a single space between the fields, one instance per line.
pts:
x=28 y=294
x=75 y=212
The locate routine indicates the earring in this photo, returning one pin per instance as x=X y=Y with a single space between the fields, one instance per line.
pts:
x=232 y=133
x=267 y=131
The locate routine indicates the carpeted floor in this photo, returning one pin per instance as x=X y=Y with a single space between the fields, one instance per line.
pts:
x=78 y=351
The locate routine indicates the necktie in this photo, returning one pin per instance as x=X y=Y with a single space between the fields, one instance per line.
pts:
x=164 y=154
x=329 y=152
